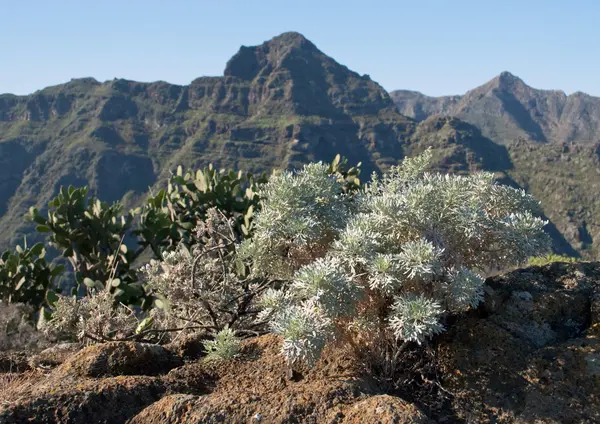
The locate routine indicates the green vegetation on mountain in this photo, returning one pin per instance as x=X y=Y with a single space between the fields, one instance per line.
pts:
x=566 y=180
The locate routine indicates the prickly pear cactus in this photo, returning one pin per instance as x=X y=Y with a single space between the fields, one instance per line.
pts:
x=90 y=234
x=171 y=215
x=26 y=277
x=348 y=177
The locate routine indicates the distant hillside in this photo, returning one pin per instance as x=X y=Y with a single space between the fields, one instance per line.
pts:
x=278 y=105
x=506 y=109
x=553 y=144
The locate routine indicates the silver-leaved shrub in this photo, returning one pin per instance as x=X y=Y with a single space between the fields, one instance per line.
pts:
x=397 y=256
x=91 y=319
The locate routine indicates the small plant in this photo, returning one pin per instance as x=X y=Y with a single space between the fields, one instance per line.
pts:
x=225 y=346
x=300 y=215
x=91 y=319
x=395 y=257
x=207 y=287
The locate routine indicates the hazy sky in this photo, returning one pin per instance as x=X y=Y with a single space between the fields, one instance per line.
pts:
x=437 y=47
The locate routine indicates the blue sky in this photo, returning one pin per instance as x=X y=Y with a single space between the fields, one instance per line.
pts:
x=434 y=46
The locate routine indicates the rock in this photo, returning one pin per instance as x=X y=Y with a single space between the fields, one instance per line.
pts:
x=189 y=346
x=120 y=358
x=530 y=355
x=110 y=400
x=595 y=312
x=118 y=107
x=54 y=355
x=170 y=409
x=384 y=409
x=255 y=389
x=318 y=401
x=563 y=383
x=543 y=304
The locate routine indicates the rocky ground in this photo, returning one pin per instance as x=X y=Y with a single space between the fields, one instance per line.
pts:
x=529 y=354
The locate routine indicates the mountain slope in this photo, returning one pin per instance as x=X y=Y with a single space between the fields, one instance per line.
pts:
x=278 y=105
x=506 y=109
x=566 y=180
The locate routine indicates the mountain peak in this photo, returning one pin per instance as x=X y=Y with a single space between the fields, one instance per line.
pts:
x=248 y=61
x=506 y=80
x=507 y=75
x=292 y=39
x=297 y=76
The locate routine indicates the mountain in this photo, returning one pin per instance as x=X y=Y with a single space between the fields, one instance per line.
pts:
x=278 y=105
x=506 y=109
x=552 y=141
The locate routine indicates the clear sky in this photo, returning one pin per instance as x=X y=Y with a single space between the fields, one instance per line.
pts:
x=437 y=47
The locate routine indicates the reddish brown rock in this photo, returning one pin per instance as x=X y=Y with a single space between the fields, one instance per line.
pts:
x=120 y=358
x=109 y=400
x=255 y=388
x=384 y=409
x=189 y=346
x=529 y=354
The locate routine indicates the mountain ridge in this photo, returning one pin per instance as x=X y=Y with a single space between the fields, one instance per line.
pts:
x=280 y=104
x=501 y=75
x=505 y=109
x=123 y=137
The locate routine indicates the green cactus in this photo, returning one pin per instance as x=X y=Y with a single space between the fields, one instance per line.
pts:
x=348 y=177
x=90 y=234
x=26 y=277
x=171 y=215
